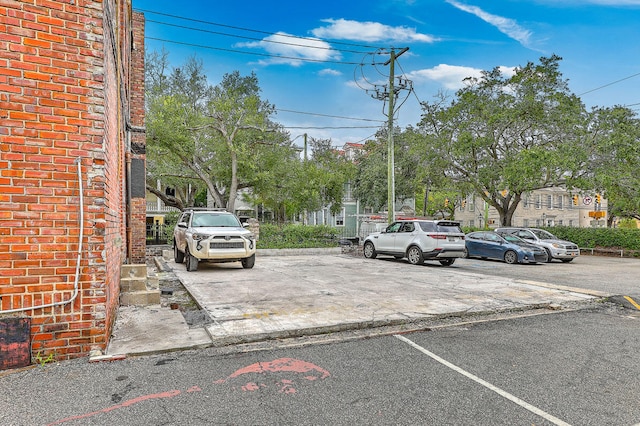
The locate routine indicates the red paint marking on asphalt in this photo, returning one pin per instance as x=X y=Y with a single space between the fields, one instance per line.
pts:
x=161 y=395
x=287 y=365
x=280 y=365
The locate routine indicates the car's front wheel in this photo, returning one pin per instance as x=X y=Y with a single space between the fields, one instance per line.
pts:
x=447 y=262
x=369 y=250
x=192 y=261
x=178 y=256
x=248 y=262
x=414 y=255
x=511 y=257
x=549 y=258
x=567 y=260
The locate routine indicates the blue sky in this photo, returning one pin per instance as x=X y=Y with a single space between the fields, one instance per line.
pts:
x=315 y=60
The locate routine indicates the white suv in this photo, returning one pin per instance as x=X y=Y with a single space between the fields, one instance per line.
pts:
x=212 y=235
x=418 y=240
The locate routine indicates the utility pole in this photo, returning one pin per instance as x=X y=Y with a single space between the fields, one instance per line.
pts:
x=391 y=182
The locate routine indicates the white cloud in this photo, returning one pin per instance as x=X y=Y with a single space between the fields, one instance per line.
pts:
x=292 y=48
x=343 y=29
x=506 y=26
x=452 y=76
x=329 y=71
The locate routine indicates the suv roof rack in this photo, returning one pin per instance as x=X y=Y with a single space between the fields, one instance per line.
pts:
x=209 y=209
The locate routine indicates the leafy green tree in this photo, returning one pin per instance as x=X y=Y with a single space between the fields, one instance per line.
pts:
x=218 y=136
x=615 y=161
x=371 y=177
x=503 y=136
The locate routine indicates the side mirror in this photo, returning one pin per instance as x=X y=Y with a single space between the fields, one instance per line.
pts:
x=182 y=224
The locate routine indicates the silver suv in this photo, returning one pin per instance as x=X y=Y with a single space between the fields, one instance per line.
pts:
x=418 y=240
x=212 y=235
x=566 y=251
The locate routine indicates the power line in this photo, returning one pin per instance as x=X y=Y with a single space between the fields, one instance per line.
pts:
x=330 y=127
x=252 y=30
x=330 y=116
x=200 y=46
x=609 y=84
x=264 y=40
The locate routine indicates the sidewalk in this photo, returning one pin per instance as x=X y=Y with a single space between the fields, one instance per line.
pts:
x=305 y=294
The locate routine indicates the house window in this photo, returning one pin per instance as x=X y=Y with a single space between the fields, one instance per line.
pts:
x=526 y=201
x=340 y=218
x=472 y=223
x=538 y=202
x=560 y=201
x=550 y=201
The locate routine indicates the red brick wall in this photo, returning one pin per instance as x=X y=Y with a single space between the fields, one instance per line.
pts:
x=61 y=102
x=138 y=202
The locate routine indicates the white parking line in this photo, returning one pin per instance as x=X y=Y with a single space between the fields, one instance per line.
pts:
x=488 y=385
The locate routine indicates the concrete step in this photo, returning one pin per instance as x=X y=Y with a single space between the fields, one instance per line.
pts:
x=131 y=271
x=130 y=284
x=140 y=298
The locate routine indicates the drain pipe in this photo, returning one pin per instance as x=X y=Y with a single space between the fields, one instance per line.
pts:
x=77 y=277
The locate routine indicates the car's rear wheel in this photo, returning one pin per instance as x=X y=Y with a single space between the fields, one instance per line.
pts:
x=511 y=257
x=466 y=254
x=369 y=250
x=447 y=262
x=414 y=255
x=178 y=256
x=192 y=261
x=248 y=262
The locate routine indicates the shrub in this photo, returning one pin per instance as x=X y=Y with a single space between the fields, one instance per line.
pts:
x=170 y=221
x=628 y=239
x=296 y=236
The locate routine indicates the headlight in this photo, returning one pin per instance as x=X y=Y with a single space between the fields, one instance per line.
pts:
x=249 y=237
x=558 y=246
x=199 y=236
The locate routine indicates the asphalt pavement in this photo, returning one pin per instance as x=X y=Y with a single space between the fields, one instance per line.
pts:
x=308 y=292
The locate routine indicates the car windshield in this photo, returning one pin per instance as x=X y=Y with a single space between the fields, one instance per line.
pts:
x=543 y=235
x=214 y=219
x=513 y=239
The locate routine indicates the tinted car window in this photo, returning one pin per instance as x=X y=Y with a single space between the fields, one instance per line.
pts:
x=407 y=227
x=394 y=227
x=449 y=228
x=428 y=226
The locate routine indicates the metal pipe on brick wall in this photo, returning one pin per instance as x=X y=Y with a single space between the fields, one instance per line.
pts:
x=78 y=162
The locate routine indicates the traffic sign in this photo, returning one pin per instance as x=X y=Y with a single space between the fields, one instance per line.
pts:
x=587 y=200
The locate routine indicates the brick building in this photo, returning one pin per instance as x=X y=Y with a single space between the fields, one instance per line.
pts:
x=72 y=169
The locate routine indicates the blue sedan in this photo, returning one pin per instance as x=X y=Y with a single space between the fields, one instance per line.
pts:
x=508 y=248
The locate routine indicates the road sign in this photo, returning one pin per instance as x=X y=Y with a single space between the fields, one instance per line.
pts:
x=587 y=200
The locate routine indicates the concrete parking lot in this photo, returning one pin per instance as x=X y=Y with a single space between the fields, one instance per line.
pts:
x=295 y=295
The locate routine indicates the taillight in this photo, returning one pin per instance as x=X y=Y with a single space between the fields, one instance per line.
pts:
x=438 y=236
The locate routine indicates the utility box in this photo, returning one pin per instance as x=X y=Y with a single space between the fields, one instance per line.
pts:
x=15 y=342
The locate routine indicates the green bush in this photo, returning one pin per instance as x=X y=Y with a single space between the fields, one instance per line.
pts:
x=628 y=239
x=297 y=236
x=170 y=221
